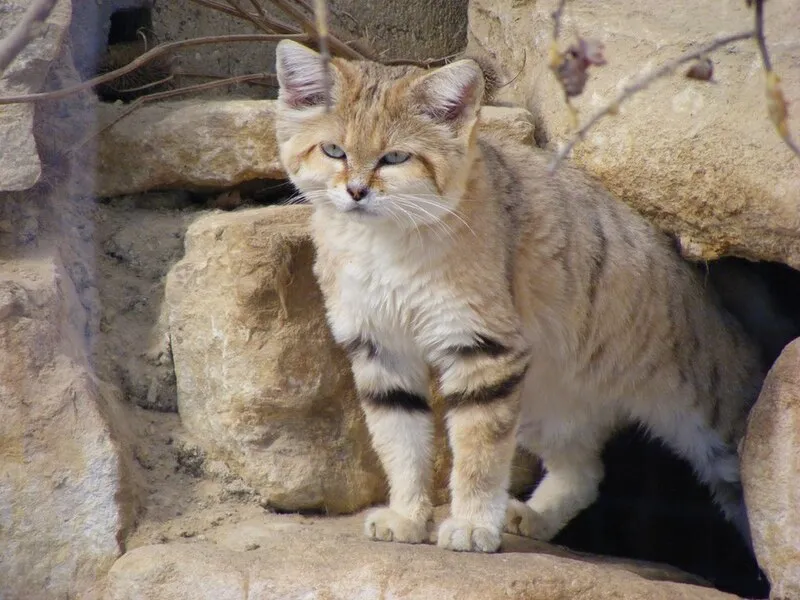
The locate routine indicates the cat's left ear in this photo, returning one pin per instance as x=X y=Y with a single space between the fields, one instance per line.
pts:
x=300 y=75
x=451 y=94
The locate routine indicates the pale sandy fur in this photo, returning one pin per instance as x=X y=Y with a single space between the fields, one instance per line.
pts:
x=549 y=312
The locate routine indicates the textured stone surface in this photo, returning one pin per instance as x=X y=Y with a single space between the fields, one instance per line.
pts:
x=282 y=557
x=771 y=475
x=63 y=486
x=260 y=382
x=19 y=164
x=187 y=144
x=219 y=143
x=700 y=160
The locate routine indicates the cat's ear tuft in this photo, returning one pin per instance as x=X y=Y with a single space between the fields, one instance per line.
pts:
x=452 y=94
x=300 y=75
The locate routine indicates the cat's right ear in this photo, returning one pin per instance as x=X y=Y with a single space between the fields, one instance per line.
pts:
x=301 y=75
x=452 y=94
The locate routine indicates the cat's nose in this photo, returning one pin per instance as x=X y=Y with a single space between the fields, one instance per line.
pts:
x=356 y=191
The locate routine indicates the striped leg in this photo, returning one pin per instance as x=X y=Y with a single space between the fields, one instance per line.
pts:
x=393 y=387
x=481 y=383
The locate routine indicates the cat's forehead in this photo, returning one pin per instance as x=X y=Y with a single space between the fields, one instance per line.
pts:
x=371 y=83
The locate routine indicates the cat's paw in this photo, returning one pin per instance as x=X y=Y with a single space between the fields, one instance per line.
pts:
x=462 y=536
x=387 y=525
x=521 y=519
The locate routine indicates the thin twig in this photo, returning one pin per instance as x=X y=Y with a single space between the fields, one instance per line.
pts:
x=762 y=42
x=247 y=16
x=557 y=19
x=147 y=57
x=276 y=25
x=24 y=31
x=178 y=92
x=146 y=86
x=428 y=63
x=643 y=82
x=321 y=13
x=336 y=45
x=776 y=103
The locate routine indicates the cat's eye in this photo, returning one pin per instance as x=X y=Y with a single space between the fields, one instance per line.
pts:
x=394 y=158
x=332 y=150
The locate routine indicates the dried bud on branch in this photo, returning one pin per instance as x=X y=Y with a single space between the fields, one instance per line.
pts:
x=571 y=67
x=702 y=70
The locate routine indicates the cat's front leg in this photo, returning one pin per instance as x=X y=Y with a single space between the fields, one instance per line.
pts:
x=393 y=387
x=481 y=384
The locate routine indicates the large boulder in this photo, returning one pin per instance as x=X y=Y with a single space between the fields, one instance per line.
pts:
x=701 y=160
x=283 y=556
x=20 y=168
x=260 y=382
x=771 y=475
x=65 y=484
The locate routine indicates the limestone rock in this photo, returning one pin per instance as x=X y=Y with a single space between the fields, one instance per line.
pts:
x=64 y=493
x=213 y=144
x=187 y=144
x=20 y=168
x=700 y=160
x=771 y=475
x=260 y=382
x=283 y=556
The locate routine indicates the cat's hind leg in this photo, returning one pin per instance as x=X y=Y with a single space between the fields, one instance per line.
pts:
x=393 y=387
x=574 y=470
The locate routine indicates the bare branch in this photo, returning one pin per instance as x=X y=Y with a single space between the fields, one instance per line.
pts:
x=557 y=19
x=24 y=31
x=321 y=13
x=643 y=82
x=147 y=57
x=276 y=25
x=336 y=45
x=776 y=103
x=762 y=43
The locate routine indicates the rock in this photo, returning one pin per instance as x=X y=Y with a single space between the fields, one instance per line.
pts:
x=284 y=556
x=65 y=486
x=260 y=382
x=212 y=144
x=187 y=144
x=771 y=475
x=21 y=168
x=701 y=160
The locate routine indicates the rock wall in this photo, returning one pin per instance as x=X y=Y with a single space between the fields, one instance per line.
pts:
x=68 y=490
x=699 y=159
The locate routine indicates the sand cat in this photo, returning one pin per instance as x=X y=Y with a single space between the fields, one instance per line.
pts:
x=549 y=312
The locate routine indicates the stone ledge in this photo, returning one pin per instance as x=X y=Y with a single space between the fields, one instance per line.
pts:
x=214 y=144
x=290 y=556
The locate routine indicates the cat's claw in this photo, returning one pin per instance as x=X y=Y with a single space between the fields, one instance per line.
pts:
x=387 y=525
x=521 y=519
x=462 y=536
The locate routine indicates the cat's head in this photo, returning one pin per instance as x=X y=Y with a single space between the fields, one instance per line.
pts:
x=395 y=145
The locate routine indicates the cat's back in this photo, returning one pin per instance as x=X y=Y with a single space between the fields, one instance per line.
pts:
x=606 y=291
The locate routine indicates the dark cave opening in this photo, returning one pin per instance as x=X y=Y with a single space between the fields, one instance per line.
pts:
x=130 y=34
x=126 y=25
x=651 y=506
